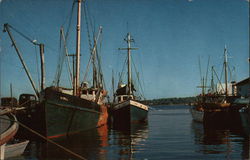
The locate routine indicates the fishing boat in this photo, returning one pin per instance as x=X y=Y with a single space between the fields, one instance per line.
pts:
x=217 y=107
x=63 y=111
x=126 y=108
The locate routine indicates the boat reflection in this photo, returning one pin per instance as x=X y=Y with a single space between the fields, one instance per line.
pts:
x=220 y=140
x=130 y=140
x=89 y=144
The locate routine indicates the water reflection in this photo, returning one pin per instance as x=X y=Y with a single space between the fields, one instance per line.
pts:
x=130 y=140
x=89 y=144
x=225 y=141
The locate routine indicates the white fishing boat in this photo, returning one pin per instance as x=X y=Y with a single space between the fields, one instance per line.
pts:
x=8 y=129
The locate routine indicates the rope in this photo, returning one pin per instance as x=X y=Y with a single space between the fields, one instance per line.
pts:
x=24 y=36
x=120 y=77
x=137 y=75
x=43 y=137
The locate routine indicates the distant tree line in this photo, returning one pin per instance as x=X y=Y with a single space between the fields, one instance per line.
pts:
x=170 y=101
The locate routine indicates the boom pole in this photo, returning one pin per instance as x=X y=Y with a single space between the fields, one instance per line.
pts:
x=6 y=27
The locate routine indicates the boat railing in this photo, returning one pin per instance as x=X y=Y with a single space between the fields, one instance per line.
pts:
x=121 y=98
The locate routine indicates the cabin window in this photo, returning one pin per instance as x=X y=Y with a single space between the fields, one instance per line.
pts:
x=32 y=98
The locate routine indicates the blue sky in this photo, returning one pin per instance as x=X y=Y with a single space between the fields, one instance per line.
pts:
x=170 y=35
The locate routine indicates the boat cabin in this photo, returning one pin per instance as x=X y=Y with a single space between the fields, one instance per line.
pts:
x=121 y=98
x=243 y=88
x=122 y=93
x=27 y=100
x=8 y=102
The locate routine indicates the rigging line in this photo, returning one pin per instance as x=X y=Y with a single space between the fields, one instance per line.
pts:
x=138 y=78
x=59 y=62
x=24 y=36
x=61 y=52
x=0 y=69
x=222 y=73
x=93 y=52
x=70 y=20
x=121 y=75
x=87 y=25
x=88 y=13
x=207 y=73
x=200 y=69
x=219 y=80
x=67 y=55
x=69 y=77
x=99 y=62
x=142 y=73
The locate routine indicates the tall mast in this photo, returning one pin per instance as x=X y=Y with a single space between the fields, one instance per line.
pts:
x=128 y=39
x=78 y=39
x=129 y=65
x=225 y=67
x=41 y=46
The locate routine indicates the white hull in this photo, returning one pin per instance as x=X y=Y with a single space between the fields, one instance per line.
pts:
x=197 y=115
x=13 y=150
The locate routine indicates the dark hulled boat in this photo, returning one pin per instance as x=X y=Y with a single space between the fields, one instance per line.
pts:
x=126 y=108
x=62 y=111
x=67 y=114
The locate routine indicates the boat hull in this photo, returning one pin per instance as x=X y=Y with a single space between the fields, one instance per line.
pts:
x=8 y=128
x=16 y=149
x=245 y=119
x=213 y=115
x=66 y=114
x=129 y=112
x=60 y=114
x=197 y=115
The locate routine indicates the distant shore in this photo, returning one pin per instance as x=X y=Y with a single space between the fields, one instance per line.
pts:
x=170 y=101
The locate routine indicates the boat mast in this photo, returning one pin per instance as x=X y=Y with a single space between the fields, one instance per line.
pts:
x=225 y=67
x=78 y=43
x=128 y=39
x=41 y=46
x=129 y=65
x=212 y=80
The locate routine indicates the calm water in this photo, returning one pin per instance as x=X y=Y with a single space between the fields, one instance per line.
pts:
x=169 y=134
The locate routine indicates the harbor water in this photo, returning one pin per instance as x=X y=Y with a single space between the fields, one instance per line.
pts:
x=169 y=134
